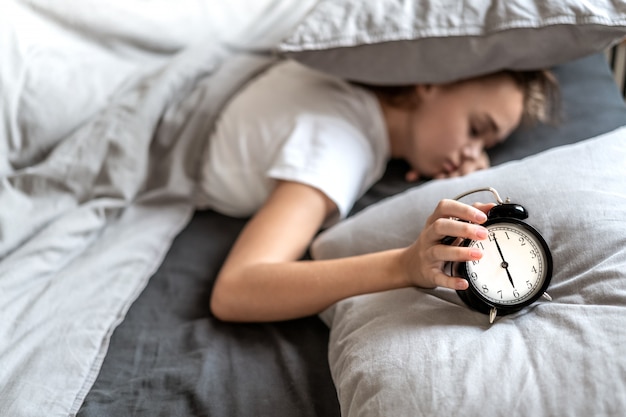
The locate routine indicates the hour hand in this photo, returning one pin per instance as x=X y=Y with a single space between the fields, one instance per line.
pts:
x=504 y=263
x=509 y=274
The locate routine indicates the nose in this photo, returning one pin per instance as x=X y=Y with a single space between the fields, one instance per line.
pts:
x=472 y=150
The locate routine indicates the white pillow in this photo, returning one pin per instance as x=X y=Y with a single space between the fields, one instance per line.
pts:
x=413 y=41
x=418 y=352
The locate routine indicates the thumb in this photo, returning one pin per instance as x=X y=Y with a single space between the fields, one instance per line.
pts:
x=411 y=176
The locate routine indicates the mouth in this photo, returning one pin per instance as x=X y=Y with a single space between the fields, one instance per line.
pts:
x=449 y=166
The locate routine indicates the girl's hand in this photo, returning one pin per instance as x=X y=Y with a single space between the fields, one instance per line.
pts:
x=468 y=166
x=425 y=258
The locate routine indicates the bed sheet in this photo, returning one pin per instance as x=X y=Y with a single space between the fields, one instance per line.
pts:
x=105 y=107
x=171 y=357
x=97 y=100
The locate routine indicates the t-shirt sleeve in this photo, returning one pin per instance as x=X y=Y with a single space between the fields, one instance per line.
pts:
x=327 y=153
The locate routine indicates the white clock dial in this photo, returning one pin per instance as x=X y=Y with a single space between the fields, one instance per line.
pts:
x=513 y=266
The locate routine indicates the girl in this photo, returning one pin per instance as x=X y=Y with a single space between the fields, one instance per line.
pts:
x=297 y=148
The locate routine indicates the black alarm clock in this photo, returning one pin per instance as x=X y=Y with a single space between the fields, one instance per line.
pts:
x=516 y=267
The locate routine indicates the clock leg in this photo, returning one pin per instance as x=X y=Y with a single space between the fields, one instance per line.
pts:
x=492 y=314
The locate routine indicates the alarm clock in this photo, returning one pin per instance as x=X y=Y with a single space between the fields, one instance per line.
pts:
x=516 y=267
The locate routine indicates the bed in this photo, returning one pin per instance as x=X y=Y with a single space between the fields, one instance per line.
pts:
x=106 y=268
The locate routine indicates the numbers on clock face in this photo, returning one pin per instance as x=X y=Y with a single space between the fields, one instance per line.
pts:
x=513 y=266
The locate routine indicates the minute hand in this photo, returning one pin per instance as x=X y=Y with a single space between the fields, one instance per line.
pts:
x=504 y=263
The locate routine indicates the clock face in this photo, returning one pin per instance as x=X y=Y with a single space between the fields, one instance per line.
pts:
x=514 y=267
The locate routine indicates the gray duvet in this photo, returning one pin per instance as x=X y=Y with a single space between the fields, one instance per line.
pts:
x=84 y=228
x=104 y=109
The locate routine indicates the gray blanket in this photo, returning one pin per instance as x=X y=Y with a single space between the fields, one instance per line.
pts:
x=85 y=224
x=105 y=107
x=86 y=227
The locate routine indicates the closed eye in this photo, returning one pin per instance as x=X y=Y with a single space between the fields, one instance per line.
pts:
x=475 y=132
x=485 y=128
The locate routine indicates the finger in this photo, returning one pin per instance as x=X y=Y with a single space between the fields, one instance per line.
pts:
x=444 y=227
x=466 y=168
x=446 y=253
x=442 y=280
x=411 y=176
x=484 y=207
x=485 y=161
x=452 y=208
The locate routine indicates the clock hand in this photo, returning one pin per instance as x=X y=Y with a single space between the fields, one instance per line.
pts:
x=509 y=274
x=504 y=263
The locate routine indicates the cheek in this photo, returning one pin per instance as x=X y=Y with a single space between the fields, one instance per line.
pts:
x=426 y=156
x=441 y=136
x=439 y=132
x=442 y=122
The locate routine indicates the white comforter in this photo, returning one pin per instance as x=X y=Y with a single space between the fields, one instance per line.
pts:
x=105 y=106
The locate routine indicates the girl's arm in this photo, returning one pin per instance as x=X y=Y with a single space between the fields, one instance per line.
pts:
x=262 y=279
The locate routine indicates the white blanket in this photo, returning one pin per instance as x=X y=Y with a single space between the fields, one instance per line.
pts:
x=105 y=106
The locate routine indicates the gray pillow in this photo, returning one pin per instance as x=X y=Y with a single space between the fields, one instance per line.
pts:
x=416 y=41
x=415 y=352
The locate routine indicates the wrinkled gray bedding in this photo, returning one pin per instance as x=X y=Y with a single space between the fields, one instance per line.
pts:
x=104 y=109
x=93 y=220
x=170 y=357
x=105 y=268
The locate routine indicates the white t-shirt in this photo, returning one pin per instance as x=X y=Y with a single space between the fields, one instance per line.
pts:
x=293 y=123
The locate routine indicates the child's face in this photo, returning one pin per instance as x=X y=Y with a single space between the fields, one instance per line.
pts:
x=454 y=123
